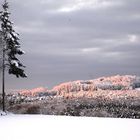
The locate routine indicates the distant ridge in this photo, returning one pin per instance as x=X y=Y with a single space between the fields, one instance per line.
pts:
x=117 y=82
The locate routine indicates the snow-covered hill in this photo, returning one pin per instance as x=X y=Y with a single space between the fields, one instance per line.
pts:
x=125 y=82
x=117 y=82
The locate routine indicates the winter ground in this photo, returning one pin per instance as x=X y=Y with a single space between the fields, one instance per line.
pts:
x=43 y=127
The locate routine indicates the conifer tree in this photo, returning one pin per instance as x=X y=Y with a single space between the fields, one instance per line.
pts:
x=10 y=48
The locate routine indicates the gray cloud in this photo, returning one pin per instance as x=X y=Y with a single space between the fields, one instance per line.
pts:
x=68 y=40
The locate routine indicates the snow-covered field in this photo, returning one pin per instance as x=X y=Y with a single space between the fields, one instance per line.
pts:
x=138 y=89
x=41 y=127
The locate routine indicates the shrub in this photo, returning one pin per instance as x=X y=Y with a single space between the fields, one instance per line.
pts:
x=136 y=83
x=70 y=111
x=109 y=86
x=117 y=87
x=33 y=109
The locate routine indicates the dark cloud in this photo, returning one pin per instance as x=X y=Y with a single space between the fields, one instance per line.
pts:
x=68 y=40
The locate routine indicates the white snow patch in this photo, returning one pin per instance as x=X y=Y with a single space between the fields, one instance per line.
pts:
x=41 y=127
x=14 y=62
x=15 y=34
x=2 y=113
x=137 y=89
x=21 y=50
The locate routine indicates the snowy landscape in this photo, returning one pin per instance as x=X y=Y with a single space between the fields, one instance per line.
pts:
x=113 y=97
x=79 y=78
x=40 y=127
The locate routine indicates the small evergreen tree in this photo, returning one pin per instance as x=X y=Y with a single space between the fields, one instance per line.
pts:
x=10 y=48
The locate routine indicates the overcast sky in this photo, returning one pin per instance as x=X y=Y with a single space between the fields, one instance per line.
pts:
x=69 y=40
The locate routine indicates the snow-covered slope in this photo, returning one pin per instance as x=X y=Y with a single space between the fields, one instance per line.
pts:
x=117 y=82
x=32 y=91
x=39 y=127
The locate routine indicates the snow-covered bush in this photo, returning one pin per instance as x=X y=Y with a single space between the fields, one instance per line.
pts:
x=109 y=86
x=136 y=83
x=48 y=93
x=2 y=113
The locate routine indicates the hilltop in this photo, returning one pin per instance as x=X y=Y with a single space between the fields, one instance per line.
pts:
x=112 y=83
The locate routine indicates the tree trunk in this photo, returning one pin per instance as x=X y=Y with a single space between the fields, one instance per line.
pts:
x=3 y=79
